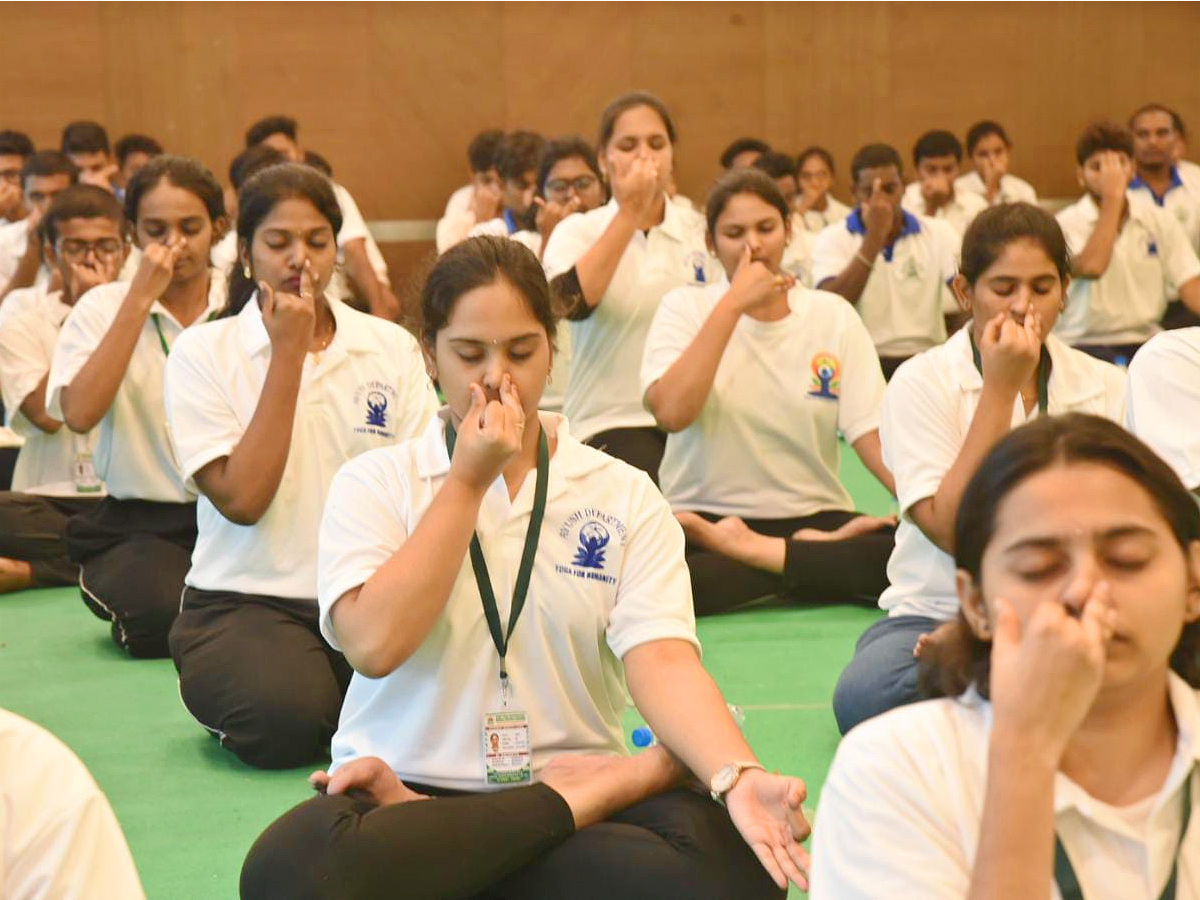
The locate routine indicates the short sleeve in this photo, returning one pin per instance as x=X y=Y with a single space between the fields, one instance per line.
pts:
x=949 y=248
x=420 y=402
x=496 y=226
x=654 y=595
x=1076 y=234
x=1180 y=264
x=1163 y=392
x=920 y=436
x=81 y=334
x=831 y=252
x=671 y=331
x=569 y=241
x=200 y=419
x=861 y=400
x=452 y=228
x=354 y=227
x=23 y=359
x=362 y=526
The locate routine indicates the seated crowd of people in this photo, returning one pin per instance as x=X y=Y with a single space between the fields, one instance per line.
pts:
x=608 y=412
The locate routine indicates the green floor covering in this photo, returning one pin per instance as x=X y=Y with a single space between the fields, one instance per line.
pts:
x=190 y=810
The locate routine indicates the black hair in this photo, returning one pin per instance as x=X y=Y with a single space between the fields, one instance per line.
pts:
x=1100 y=136
x=937 y=143
x=477 y=262
x=182 y=172
x=777 y=165
x=875 y=156
x=264 y=128
x=810 y=152
x=626 y=102
x=980 y=130
x=44 y=163
x=82 y=201
x=85 y=137
x=998 y=226
x=15 y=143
x=253 y=160
x=318 y=162
x=557 y=150
x=743 y=181
x=963 y=659
x=261 y=193
x=484 y=150
x=519 y=154
x=740 y=146
x=1176 y=119
x=136 y=143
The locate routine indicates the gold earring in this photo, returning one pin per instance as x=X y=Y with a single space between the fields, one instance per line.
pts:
x=246 y=271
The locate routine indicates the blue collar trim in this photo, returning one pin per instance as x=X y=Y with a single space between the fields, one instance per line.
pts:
x=511 y=221
x=1176 y=182
x=912 y=225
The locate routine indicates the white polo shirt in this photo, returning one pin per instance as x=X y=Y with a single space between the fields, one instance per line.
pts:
x=133 y=450
x=1181 y=199
x=606 y=347
x=609 y=575
x=223 y=254
x=1012 y=188
x=14 y=238
x=20 y=300
x=817 y=220
x=58 y=836
x=765 y=444
x=354 y=226
x=958 y=213
x=1151 y=258
x=1164 y=400
x=26 y=347
x=927 y=410
x=368 y=389
x=797 y=255
x=900 y=812
x=902 y=302
x=460 y=199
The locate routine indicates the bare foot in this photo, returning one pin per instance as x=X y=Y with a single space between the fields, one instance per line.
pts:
x=597 y=786
x=15 y=575
x=732 y=537
x=857 y=526
x=927 y=644
x=369 y=777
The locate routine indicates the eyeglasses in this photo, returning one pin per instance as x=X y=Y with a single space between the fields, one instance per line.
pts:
x=562 y=185
x=12 y=176
x=74 y=249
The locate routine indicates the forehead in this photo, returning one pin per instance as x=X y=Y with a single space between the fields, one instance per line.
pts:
x=886 y=174
x=279 y=141
x=1094 y=159
x=639 y=121
x=494 y=311
x=56 y=182
x=168 y=201
x=990 y=143
x=569 y=167
x=294 y=213
x=92 y=227
x=938 y=161
x=88 y=157
x=814 y=165
x=10 y=160
x=1153 y=120
x=1021 y=258
x=747 y=207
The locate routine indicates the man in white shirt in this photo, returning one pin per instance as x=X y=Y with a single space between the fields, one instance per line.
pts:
x=892 y=265
x=743 y=153
x=86 y=145
x=480 y=200
x=84 y=230
x=363 y=268
x=937 y=155
x=1128 y=256
x=1163 y=406
x=990 y=149
x=246 y=164
x=15 y=148
x=46 y=174
x=518 y=166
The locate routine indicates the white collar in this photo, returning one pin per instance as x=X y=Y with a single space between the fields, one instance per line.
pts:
x=1071 y=378
x=216 y=300
x=672 y=224
x=350 y=335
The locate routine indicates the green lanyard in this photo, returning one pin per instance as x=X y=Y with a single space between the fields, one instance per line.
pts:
x=501 y=637
x=1064 y=872
x=1043 y=374
x=162 y=338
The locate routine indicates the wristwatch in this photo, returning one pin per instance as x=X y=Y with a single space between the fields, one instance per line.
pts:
x=726 y=777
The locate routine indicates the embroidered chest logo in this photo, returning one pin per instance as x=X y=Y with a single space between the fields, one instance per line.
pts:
x=372 y=401
x=1151 y=247
x=593 y=532
x=696 y=263
x=826 y=376
x=911 y=269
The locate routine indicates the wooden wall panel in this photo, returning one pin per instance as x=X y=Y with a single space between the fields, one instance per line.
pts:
x=391 y=93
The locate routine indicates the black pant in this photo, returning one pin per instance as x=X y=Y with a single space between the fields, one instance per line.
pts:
x=33 y=528
x=1117 y=354
x=134 y=556
x=813 y=571
x=890 y=364
x=255 y=671
x=1179 y=316
x=516 y=844
x=642 y=448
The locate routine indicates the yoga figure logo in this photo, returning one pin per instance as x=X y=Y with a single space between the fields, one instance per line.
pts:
x=826 y=381
x=593 y=538
x=377 y=409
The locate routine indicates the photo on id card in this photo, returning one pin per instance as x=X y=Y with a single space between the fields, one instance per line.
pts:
x=506 y=754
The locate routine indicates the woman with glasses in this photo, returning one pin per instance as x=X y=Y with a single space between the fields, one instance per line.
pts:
x=135 y=546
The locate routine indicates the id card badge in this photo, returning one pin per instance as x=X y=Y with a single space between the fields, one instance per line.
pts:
x=506 y=755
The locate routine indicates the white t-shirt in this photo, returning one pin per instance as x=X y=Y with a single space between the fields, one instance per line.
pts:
x=958 y=213
x=902 y=302
x=1181 y=199
x=927 y=410
x=765 y=444
x=1151 y=258
x=901 y=811
x=354 y=227
x=26 y=347
x=133 y=450
x=797 y=255
x=609 y=575
x=20 y=300
x=606 y=347
x=367 y=389
x=817 y=220
x=1164 y=400
x=1012 y=188
x=223 y=254
x=460 y=199
x=59 y=839
x=14 y=238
